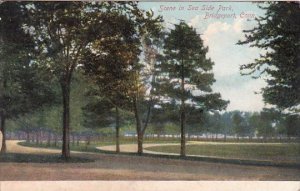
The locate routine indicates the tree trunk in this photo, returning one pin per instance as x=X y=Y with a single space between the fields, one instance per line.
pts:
x=32 y=137
x=88 y=140
x=3 y=148
x=37 y=138
x=78 y=138
x=73 y=139
x=66 y=120
x=27 y=137
x=49 y=139
x=138 y=129
x=117 y=130
x=182 y=114
x=55 y=140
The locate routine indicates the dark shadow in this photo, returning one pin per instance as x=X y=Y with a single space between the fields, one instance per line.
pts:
x=36 y=158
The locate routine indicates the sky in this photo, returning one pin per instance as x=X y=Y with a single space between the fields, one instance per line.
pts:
x=220 y=25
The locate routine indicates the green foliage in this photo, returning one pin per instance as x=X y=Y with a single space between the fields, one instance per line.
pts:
x=278 y=34
x=186 y=73
x=24 y=87
x=292 y=124
x=241 y=126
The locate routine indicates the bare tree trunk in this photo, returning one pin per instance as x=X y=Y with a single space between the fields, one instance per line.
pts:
x=3 y=147
x=88 y=140
x=73 y=139
x=78 y=138
x=66 y=119
x=138 y=129
x=27 y=137
x=55 y=140
x=37 y=137
x=49 y=138
x=32 y=137
x=117 y=130
x=182 y=114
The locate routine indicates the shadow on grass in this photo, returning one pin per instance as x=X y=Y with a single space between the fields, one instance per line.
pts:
x=35 y=158
x=213 y=159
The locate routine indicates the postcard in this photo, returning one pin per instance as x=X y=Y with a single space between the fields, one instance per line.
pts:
x=149 y=95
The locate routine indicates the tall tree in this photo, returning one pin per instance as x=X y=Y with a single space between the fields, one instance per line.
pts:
x=226 y=124
x=278 y=33
x=143 y=97
x=292 y=124
x=23 y=87
x=107 y=67
x=239 y=124
x=113 y=63
x=62 y=32
x=187 y=74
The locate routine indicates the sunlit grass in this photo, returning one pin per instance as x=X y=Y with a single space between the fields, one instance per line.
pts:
x=280 y=152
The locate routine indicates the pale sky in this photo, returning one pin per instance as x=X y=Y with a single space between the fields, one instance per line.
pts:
x=221 y=35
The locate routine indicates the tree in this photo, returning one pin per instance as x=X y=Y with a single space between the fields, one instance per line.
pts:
x=215 y=122
x=239 y=124
x=113 y=64
x=186 y=74
x=148 y=29
x=23 y=87
x=292 y=124
x=162 y=115
x=100 y=112
x=278 y=33
x=226 y=124
x=62 y=32
x=107 y=67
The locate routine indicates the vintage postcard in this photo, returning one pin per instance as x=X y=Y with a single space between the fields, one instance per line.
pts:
x=149 y=95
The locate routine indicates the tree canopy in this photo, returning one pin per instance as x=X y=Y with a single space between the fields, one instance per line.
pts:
x=278 y=34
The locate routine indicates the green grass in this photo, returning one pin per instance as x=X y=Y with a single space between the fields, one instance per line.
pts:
x=261 y=151
x=282 y=152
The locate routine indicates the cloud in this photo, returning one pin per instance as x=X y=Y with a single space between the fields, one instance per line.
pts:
x=198 y=22
x=240 y=90
x=221 y=38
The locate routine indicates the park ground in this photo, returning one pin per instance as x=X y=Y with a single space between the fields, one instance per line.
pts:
x=30 y=163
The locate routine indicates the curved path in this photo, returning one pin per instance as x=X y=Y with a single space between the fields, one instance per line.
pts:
x=127 y=167
x=132 y=148
x=14 y=147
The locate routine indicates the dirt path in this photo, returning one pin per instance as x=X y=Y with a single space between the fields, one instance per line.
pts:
x=14 y=147
x=124 y=167
x=132 y=148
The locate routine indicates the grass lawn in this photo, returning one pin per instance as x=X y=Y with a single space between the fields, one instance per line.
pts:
x=93 y=144
x=260 y=151
x=288 y=152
